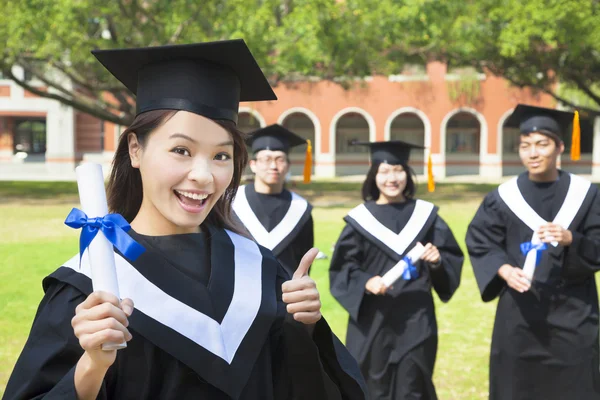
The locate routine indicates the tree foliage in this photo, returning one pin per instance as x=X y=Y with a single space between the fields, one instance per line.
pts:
x=549 y=45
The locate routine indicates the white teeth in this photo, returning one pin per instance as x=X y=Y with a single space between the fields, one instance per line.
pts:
x=194 y=196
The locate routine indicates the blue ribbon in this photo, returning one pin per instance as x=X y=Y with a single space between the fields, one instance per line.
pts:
x=113 y=226
x=526 y=247
x=410 y=272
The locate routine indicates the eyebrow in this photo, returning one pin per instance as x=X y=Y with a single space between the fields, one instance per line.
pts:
x=181 y=135
x=186 y=137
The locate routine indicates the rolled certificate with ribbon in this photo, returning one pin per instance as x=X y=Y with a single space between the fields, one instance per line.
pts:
x=92 y=196
x=404 y=268
x=100 y=231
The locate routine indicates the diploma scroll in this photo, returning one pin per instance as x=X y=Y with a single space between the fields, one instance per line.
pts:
x=92 y=196
x=397 y=270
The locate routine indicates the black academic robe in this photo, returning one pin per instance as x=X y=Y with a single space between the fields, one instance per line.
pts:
x=281 y=222
x=394 y=336
x=545 y=341
x=194 y=336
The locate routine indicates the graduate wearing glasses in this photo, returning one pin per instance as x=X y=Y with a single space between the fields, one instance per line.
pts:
x=276 y=218
x=534 y=244
x=392 y=331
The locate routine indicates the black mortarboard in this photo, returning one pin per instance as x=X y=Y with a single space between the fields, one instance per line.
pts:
x=531 y=119
x=274 y=137
x=209 y=79
x=538 y=119
x=392 y=152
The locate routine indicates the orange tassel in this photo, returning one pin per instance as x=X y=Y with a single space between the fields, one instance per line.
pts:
x=308 y=162
x=576 y=138
x=430 y=181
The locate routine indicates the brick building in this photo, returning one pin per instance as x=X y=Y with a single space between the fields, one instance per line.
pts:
x=464 y=130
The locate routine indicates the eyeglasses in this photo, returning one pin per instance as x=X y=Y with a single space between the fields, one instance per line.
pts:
x=266 y=161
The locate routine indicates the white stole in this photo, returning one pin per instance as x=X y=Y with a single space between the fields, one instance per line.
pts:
x=397 y=242
x=270 y=240
x=512 y=196
x=222 y=339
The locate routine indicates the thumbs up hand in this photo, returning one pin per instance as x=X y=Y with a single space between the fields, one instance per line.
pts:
x=301 y=294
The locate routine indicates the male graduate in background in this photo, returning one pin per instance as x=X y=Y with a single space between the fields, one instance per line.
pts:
x=276 y=217
x=535 y=243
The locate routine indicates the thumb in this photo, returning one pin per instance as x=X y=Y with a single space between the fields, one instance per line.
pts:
x=305 y=263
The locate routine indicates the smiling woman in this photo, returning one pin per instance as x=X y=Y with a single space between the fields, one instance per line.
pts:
x=206 y=312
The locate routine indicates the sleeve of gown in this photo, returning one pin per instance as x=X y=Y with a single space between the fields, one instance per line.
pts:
x=485 y=241
x=583 y=255
x=347 y=279
x=318 y=367
x=46 y=367
x=446 y=276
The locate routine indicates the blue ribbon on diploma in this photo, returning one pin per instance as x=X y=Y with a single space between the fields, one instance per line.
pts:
x=113 y=226
x=410 y=272
x=526 y=247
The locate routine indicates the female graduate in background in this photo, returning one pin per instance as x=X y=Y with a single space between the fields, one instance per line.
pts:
x=212 y=315
x=392 y=332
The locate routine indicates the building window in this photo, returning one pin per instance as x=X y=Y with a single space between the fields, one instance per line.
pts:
x=351 y=127
x=303 y=126
x=247 y=122
x=30 y=136
x=409 y=128
x=463 y=134
x=510 y=140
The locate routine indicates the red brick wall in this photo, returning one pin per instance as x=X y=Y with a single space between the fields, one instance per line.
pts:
x=87 y=133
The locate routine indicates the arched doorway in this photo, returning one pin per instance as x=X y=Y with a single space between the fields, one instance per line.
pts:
x=301 y=125
x=409 y=127
x=247 y=122
x=511 y=163
x=349 y=159
x=463 y=139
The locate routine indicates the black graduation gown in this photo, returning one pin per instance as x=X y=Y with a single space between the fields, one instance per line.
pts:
x=276 y=358
x=270 y=210
x=394 y=336
x=545 y=341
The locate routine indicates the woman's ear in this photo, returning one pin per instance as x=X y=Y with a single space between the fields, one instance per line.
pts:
x=134 y=150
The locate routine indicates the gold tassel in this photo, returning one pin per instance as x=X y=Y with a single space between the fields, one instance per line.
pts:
x=308 y=162
x=430 y=181
x=576 y=138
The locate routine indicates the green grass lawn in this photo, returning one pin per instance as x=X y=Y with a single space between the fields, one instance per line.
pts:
x=42 y=242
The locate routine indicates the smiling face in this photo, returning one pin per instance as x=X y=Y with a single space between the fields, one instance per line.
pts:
x=186 y=164
x=539 y=154
x=391 y=182
x=270 y=167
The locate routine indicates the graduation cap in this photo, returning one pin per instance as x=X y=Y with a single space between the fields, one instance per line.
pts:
x=395 y=152
x=276 y=137
x=209 y=79
x=531 y=119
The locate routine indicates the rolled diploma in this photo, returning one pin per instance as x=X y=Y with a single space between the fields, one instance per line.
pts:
x=531 y=257
x=397 y=270
x=92 y=196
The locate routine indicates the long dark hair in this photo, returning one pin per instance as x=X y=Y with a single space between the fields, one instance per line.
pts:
x=125 y=183
x=371 y=192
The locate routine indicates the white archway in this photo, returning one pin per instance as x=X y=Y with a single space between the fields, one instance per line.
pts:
x=500 y=133
x=483 y=133
x=426 y=125
x=312 y=116
x=409 y=110
x=255 y=114
x=339 y=115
